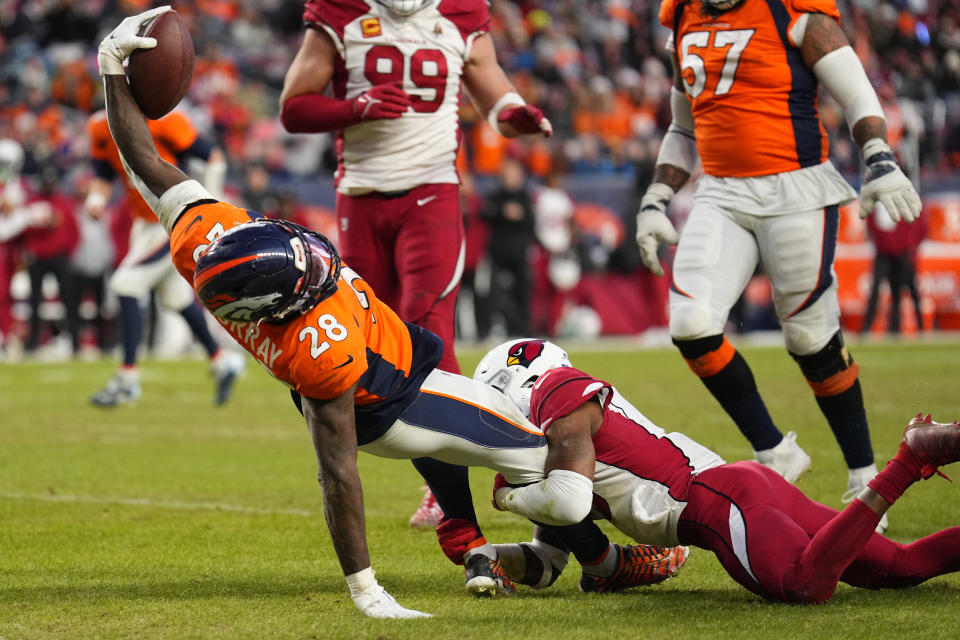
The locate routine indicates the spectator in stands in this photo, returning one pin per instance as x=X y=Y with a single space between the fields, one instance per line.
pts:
x=257 y=193
x=509 y=212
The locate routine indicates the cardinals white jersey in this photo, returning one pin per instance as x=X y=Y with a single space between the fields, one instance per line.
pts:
x=424 y=54
x=642 y=473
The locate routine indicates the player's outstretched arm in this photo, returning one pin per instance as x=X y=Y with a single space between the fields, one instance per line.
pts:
x=331 y=424
x=565 y=496
x=128 y=126
x=826 y=51
x=496 y=98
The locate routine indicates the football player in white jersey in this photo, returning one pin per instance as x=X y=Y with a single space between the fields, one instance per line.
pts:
x=386 y=76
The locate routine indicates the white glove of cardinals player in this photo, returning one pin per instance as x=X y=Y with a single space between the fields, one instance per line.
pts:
x=124 y=40
x=374 y=601
x=653 y=225
x=885 y=183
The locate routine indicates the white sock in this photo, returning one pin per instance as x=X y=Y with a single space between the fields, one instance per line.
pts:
x=486 y=549
x=606 y=566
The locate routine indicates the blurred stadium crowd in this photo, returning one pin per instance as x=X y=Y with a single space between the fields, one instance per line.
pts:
x=598 y=68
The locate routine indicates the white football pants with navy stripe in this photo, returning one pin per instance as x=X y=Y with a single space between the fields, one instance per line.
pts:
x=458 y=420
x=718 y=253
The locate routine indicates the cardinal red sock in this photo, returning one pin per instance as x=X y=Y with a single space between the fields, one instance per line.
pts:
x=901 y=472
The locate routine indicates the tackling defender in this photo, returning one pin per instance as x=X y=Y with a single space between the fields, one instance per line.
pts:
x=362 y=378
x=395 y=68
x=746 y=74
x=664 y=488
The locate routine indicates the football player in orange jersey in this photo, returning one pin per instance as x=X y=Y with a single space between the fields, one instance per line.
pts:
x=746 y=76
x=146 y=268
x=362 y=378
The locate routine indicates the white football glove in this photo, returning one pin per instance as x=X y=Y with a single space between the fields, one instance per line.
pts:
x=653 y=225
x=884 y=183
x=124 y=40
x=375 y=602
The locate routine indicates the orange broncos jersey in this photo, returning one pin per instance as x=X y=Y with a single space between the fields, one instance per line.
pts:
x=754 y=102
x=172 y=134
x=349 y=337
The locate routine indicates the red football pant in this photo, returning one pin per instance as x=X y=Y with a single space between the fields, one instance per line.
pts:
x=409 y=248
x=781 y=545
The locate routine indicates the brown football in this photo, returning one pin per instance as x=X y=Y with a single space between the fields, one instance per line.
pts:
x=160 y=77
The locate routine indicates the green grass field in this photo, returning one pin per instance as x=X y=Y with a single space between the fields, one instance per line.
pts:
x=174 y=519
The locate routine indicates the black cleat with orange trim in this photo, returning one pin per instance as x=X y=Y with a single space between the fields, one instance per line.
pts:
x=485 y=577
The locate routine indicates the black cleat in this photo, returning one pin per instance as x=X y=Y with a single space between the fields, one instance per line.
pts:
x=485 y=577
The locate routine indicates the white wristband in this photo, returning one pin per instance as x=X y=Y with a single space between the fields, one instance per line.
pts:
x=658 y=191
x=171 y=203
x=361 y=581
x=511 y=98
x=873 y=146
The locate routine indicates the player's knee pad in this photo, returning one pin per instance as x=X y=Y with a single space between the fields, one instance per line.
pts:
x=690 y=320
x=805 y=334
x=708 y=356
x=831 y=370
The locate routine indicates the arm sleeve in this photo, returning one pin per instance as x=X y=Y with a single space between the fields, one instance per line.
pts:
x=563 y=497
x=842 y=75
x=317 y=113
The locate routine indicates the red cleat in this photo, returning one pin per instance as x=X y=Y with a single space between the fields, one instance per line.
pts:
x=428 y=514
x=933 y=443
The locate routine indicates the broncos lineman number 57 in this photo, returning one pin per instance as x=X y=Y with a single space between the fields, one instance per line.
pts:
x=746 y=75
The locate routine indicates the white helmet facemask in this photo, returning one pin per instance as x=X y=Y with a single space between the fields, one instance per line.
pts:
x=404 y=7
x=513 y=367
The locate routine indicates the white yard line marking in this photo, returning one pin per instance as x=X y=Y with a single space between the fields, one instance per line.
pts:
x=161 y=504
